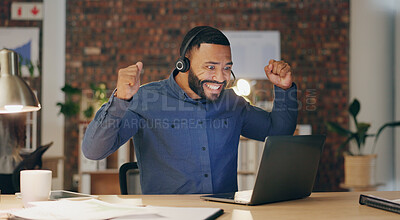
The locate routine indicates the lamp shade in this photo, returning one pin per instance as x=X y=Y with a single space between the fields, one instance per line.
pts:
x=15 y=93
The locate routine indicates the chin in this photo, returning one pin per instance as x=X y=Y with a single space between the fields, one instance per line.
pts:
x=213 y=97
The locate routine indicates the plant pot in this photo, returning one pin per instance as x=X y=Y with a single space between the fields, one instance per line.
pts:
x=360 y=171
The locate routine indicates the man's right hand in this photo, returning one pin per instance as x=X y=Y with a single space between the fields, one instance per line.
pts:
x=129 y=81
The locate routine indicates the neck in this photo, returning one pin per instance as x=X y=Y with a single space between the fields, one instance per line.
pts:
x=182 y=79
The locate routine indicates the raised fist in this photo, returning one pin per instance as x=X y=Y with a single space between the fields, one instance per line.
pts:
x=279 y=73
x=128 y=81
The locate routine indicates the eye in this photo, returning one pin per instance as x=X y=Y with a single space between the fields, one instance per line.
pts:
x=228 y=68
x=211 y=67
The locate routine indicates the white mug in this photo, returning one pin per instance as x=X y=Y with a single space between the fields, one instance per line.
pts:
x=35 y=185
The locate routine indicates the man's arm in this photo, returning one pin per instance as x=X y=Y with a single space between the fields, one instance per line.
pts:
x=258 y=124
x=283 y=119
x=107 y=132
x=112 y=126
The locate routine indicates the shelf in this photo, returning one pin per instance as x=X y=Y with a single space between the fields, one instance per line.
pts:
x=107 y=171
x=360 y=188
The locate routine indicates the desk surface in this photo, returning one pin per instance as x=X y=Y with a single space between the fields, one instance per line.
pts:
x=330 y=205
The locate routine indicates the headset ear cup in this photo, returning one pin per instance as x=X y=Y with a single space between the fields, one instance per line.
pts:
x=179 y=64
x=182 y=65
x=187 y=64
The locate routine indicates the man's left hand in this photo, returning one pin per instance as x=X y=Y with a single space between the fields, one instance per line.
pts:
x=279 y=73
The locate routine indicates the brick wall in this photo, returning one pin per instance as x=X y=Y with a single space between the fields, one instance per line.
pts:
x=103 y=36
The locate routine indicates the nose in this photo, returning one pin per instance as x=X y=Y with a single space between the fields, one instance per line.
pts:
x=219 y=76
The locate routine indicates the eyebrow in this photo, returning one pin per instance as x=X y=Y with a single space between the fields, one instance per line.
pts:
x=212 y=62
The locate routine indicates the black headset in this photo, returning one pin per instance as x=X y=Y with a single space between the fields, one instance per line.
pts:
x=183 y=63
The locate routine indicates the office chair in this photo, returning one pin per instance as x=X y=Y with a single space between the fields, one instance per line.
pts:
x=6 y=184
x=30 y=162
x=129 y=179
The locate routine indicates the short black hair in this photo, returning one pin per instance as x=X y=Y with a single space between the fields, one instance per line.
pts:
x=207 y=35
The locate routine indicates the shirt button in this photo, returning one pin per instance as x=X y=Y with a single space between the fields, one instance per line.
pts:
x=203 y=148
x=206 y=175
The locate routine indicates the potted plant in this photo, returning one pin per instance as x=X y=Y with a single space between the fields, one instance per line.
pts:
x=359 y=165
x=97 y=99
x=70 y=107
x=73 y=96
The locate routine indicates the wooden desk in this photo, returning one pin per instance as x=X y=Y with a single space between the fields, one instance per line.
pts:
x=331 y=205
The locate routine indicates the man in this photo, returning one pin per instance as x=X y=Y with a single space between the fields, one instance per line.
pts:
x=186 y=128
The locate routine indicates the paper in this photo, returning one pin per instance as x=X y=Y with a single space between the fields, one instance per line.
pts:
x=177 y=213
x=396 y=201
x=243 y=196
x=114 y=199
x=119 y=208
x=86 y=209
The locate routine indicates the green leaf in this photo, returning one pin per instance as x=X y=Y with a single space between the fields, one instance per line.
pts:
x=363 y=127
x=362 y=131
x=93 y=86
x=20 y=61
x=99 y=92
x=342 y=146
x=359 y=143
x=354 y=109
x=31 y=68
x=70 y=90
x=69 y=108
x=89 y=112
x=389 y=124
x=39 y=67
x=335 y=127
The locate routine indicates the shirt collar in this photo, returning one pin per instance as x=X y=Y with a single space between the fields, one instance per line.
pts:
x=178 y=91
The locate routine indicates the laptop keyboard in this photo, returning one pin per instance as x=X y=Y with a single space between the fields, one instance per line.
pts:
x=225 y=195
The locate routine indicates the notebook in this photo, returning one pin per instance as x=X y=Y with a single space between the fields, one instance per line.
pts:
x=380 y=203
x=287 y=171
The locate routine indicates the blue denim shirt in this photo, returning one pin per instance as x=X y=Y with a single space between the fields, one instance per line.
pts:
x=185 y=145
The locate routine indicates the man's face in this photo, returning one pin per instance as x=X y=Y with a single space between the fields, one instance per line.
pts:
x=210 y=70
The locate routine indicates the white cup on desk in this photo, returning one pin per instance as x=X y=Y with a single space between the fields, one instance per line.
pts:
x=35 y=185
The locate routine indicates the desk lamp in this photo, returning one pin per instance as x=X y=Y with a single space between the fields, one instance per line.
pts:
x=15 y=93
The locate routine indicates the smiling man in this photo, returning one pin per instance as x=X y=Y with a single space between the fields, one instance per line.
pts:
x=209 y=73
x=186 y=128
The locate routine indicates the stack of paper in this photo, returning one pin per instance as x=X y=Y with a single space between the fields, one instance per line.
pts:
x=85 y=209
x=118 y=209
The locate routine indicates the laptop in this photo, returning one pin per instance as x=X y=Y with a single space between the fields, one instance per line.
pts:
x=287 y=171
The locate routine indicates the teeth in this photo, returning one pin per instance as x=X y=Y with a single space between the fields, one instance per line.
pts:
x=213 y=87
